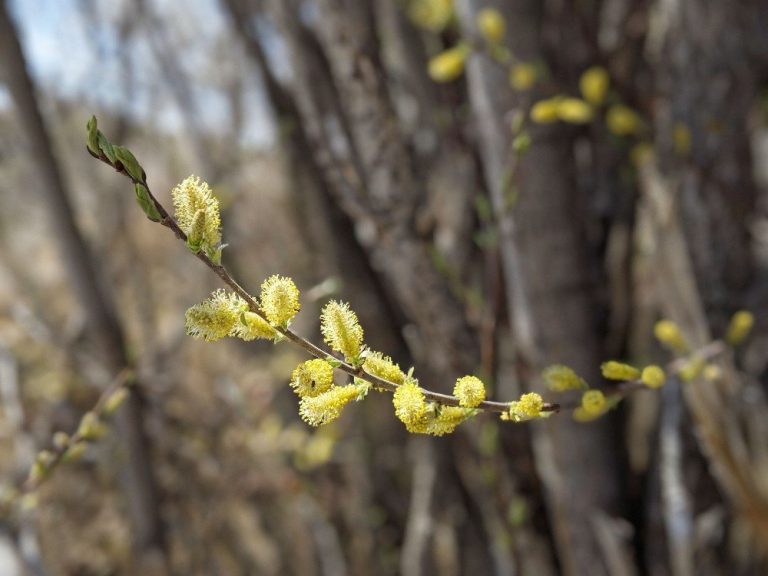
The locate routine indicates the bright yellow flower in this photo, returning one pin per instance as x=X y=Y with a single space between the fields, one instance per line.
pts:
x=623 y=121
x=574 y=111
x=449 y=64
x=593 y=402
x=279 y=300
x=523 y=76
x=191 y=196
x=669 y=334
x=215 y=317
x=433 y=15
x=560 y=378
x=312 y=378
x=377 y=364
x=594 y=84
x=491 y=24
x=341 y=330
x=613 y=370
x=328 y=406
x=653 y=376
x=739 y=327
x=252 y=326
x=528 y=407
x=410 y=404
x=470 y=391
x=546 y=111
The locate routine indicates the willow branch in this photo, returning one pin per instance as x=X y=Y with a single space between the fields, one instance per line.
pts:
x=169 y=222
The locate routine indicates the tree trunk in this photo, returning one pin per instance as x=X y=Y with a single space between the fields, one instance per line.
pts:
x=104 y=329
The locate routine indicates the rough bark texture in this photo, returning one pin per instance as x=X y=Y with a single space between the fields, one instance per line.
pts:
x=550 y=289
x=105 y=333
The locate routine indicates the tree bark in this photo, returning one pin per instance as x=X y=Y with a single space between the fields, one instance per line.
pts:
x=105 y=332
x=549 y=288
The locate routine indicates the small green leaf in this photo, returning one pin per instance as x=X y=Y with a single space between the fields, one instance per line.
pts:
x=105 y=147
x=93 y=136
x=146 y=203
x=334 y=362
x=130 y=164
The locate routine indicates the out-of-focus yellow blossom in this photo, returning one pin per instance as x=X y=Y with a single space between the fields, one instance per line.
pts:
x=491 y=24
x=739 y=328
x=328 y=406
x=341 y=330
x=410 y=404
x=279 y=300
x=312 y=378
x=574 y=111
x=215 y=317
x=669 y=334
x=528 y=407
x=593 y=402
x=91 y=428
x=115 y=400
x=653 y=376
x=433 y=15
x=546 y=111
x=378 y=364
x=190 y=197
x=523 y=76
x=613 y=370
x=594 y=84
x=692 y=369
x=449 y=64
x=252 y=326
x=623 y=121
x=470 y=391
x=560 y=378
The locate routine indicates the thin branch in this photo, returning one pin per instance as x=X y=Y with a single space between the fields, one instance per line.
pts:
x=169 y=222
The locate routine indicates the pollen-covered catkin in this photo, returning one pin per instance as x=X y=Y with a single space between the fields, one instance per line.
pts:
x=312 y=378
x=189 y=197
x=215 y=317
x=328 y=406
x=279 y=300
x=341 y=329
x=470 y=391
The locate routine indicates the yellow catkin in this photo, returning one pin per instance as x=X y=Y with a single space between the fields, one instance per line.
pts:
x=341 y=329
x=692 y=369
x=653 y=376
x=215 y=317
x=574 y=111
x=328 y=406
x=560 y=378
x=409 y=402
x=623 y=121
x=594 y=84
x=613 y=370
x=593 y=402
x=432 y=15
x=528 y=407
x=312 y=378
x=190 y=196
x=251 y=326
x=470 y=391
x=669 y=334
x=491 y=25
x=739 y=328
x=378 y=364
x=448 y=65
x=279 y=300
x=523 y=76
x=545 y=111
